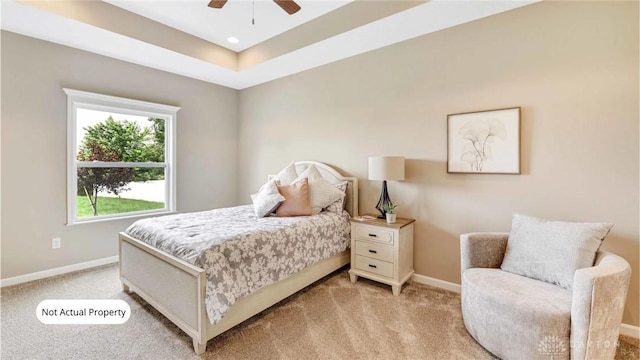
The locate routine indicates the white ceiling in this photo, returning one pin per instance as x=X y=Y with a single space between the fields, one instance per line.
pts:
x=234 y=19
x=429 y=17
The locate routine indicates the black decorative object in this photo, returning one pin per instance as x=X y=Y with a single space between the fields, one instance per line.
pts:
x=384 y=201
x=385 y=168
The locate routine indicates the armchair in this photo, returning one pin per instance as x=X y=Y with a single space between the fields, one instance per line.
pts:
x=516 y=317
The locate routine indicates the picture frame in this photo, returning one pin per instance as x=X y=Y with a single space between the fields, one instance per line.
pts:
x=484 y=142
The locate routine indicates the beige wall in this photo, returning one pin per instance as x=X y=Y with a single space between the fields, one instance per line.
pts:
x=571 y=66
x=34 y=147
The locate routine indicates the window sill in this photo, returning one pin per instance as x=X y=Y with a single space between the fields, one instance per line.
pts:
x=123 y=217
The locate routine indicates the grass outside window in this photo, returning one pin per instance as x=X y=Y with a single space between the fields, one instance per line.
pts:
x=115 y=205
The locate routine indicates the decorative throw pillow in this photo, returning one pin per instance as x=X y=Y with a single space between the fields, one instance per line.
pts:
x=322 y=192
x=267 y=199
x=296 y=199
x=552 y=251
x=338 y=205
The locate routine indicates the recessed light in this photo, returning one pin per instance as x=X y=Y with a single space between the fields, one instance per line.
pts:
x=233 y=40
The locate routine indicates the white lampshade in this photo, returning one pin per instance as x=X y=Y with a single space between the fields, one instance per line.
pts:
x=386 y=168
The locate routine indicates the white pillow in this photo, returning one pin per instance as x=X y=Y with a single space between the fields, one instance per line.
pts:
x=267 y=199
x=322 y=193
x=552 y=251
x=287 y=175
x=338 y=205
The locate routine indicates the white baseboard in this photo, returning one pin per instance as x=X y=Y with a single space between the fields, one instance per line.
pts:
x=625 y=329
x=422 y=279
x=630 y=330
x=57 y=271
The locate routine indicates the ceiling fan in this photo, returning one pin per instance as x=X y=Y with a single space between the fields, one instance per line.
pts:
x=287 y=5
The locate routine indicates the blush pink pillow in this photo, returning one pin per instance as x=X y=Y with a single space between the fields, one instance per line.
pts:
x=296 y=199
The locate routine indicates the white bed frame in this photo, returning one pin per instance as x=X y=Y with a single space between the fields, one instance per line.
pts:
x=177 y=289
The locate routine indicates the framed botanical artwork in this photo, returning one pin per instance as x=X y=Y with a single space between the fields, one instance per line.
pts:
x=484 y=142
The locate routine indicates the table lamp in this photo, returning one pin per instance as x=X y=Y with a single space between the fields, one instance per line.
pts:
x=385 y=168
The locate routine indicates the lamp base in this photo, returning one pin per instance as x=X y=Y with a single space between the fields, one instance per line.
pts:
x=384 y=200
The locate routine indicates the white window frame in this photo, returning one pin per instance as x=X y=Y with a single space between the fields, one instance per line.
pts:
x=86 y=100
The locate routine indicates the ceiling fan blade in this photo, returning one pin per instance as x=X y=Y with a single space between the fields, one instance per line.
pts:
x=288 y=5
x=217 y=4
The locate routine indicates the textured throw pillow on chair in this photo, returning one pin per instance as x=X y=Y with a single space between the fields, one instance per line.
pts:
x=552 y=251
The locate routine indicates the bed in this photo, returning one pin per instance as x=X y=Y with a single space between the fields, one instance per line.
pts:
x=177 y=288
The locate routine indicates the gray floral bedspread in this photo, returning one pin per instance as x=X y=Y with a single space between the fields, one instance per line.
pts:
x=240 y=252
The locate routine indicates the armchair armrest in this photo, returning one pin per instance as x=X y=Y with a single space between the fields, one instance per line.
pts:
x=482 y=250
x=599 y=295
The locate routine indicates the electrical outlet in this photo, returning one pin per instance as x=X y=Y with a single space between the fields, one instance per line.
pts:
x=55 y=243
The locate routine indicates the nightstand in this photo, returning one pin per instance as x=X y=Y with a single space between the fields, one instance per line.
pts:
x=382 y=252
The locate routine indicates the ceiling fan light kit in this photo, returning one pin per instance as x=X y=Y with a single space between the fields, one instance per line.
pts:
x=289 y=6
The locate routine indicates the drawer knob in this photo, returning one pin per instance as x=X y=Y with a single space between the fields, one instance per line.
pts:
x=373 y=251
x=373 y=235
x=372 y=266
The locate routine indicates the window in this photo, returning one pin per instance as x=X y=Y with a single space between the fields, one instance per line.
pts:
x=121 y=158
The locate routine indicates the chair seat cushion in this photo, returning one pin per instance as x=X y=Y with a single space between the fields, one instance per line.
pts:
x=516 y=317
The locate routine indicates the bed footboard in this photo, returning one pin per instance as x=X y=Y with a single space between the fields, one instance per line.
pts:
x=177 y=289
x=172 y=286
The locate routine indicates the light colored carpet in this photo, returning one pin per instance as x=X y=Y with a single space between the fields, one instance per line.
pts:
x=333 y=319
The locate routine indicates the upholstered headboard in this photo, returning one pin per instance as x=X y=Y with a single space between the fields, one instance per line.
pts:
x=333 y=176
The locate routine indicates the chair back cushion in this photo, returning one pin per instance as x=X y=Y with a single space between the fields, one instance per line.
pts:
x=552 y=251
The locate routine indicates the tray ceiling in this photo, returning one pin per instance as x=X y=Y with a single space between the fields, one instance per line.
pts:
x=172 y=36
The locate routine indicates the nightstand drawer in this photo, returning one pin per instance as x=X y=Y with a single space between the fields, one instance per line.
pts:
x=377 y=251
x=374 y=234
x=374 y=266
